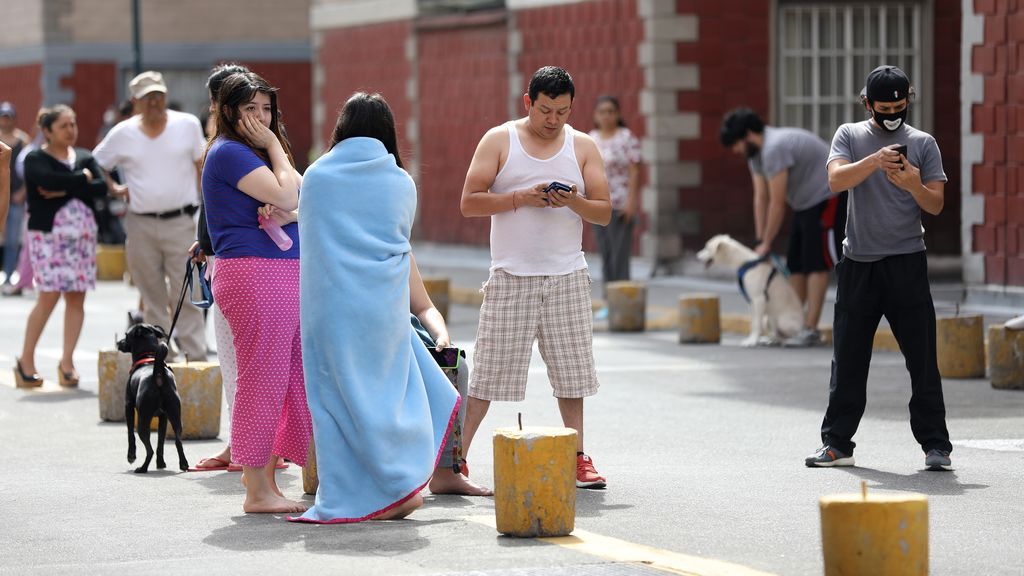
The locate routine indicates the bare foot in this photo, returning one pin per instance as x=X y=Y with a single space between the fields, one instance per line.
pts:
x=399 y=512
x=272 y=505
x=272 y=480
x=445 y=481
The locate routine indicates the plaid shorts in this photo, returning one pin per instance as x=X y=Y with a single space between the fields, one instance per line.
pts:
x=555 y=311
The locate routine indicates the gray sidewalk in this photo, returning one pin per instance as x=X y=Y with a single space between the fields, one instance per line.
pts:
x=702 y=445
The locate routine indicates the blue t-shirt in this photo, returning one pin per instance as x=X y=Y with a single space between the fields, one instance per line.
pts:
x=230 y=213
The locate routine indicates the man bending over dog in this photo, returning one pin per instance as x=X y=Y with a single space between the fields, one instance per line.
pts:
x=539 y=287
x=786 y=167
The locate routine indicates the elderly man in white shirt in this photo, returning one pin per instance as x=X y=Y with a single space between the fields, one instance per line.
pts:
x=159 y=153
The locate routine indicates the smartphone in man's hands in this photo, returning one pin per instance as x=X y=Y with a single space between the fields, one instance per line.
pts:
x=901 y=149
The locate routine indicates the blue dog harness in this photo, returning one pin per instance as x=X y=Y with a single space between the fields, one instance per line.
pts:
x=777 y=266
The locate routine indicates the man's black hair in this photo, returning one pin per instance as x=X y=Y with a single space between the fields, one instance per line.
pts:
x=553 y=81
x=737 y=124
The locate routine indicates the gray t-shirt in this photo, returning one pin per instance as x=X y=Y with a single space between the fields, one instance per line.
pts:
x=801 y=152
x=883 y=220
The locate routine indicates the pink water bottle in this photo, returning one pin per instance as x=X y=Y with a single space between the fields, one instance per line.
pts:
x=273 y=229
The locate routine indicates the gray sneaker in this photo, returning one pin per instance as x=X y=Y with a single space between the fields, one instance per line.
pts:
x=937 y=460
x=826 y=457
x=805 y=338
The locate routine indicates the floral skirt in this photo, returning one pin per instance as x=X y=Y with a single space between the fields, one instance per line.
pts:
x=64 y=259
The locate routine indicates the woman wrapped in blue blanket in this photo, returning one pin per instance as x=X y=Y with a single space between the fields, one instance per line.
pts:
x=381 y=406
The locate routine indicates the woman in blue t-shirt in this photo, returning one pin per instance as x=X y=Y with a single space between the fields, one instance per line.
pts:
x=249 y=173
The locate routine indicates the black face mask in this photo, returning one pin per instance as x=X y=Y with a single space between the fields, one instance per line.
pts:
x=752 y=150
x=890 y=122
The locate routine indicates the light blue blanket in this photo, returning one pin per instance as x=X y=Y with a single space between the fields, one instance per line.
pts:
x=381 y=407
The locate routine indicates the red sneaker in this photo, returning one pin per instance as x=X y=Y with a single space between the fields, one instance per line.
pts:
x=586 y=475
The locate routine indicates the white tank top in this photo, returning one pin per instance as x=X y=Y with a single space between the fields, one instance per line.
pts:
x=537 y=241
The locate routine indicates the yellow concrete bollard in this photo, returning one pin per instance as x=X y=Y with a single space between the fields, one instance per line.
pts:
x=875 y=534
x=699 y=320
x=199 y=386
x=627 y=306
x=535 y=481
x=113 y=368
x=310 y=480
x=110 y=262
x=1006 y=357
x=438 y=289
x=960 y=346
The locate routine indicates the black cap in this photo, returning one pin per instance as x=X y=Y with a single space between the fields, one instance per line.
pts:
x=887 y=84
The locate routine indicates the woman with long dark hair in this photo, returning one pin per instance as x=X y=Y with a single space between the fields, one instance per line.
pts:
x=381 y=406
x=250 y=184
x=62 y=182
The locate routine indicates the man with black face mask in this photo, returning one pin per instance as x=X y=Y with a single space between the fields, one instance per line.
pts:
x=884 y=271
x=785 y=167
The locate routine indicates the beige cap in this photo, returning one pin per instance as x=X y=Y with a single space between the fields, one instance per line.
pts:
x=147 y=82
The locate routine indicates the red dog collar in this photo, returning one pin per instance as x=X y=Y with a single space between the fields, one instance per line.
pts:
x=143 y=361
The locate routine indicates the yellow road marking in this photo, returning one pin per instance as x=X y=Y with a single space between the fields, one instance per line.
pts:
x=622 y=551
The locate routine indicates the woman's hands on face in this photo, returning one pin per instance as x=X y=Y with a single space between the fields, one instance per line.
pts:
x=258 y=135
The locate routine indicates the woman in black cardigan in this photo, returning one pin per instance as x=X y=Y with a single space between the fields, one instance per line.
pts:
x=62 y=181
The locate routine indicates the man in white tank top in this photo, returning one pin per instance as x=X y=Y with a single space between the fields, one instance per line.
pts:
x=539 y=287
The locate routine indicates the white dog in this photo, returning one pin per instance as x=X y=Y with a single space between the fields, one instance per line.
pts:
x=775 y=309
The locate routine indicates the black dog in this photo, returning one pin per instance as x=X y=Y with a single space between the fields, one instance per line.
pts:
x=151 y=390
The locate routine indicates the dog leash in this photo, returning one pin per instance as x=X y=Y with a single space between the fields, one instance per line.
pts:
x=186 y=288
x=777 y=267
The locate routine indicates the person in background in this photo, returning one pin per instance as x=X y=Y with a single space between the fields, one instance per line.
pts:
x=159 y=152
x=17 y=140
x=204 y=252
x=62 y=183
x=249 y=180
x=620 y=150
x=5 y=183
x=24 y=269
x=785 y=168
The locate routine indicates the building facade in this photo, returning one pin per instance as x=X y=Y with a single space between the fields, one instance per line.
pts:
x=451 y=69
x=79 y=52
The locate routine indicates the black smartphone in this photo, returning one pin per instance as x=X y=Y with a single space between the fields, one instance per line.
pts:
x=902 y=149
x=556 y=185
x=447 y=358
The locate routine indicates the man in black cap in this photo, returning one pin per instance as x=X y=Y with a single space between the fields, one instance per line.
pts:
x=893 y=172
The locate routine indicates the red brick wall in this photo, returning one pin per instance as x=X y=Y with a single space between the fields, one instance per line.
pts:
x=1000 y=122
x=597 y=43
x=20 y=86
x=368 y=58
x=733 y=58
x=94 y=85
x=463 y=92
x=294 y=80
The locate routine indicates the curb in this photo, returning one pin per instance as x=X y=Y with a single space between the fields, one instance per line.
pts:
x=660 y=318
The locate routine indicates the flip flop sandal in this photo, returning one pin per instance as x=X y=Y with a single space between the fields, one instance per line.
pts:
x=221 y=465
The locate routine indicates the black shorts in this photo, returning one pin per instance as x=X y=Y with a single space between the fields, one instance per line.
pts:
x=816 y=236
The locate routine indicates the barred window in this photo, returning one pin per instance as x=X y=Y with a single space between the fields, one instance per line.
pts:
x=437 y=7
x=826 y=50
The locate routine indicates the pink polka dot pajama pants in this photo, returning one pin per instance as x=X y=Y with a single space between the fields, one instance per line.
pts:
x=260 y=299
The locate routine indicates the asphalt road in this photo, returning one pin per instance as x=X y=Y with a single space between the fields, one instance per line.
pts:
x=703 y=448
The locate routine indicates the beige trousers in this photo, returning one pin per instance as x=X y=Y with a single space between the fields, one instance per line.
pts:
x=156 y=251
